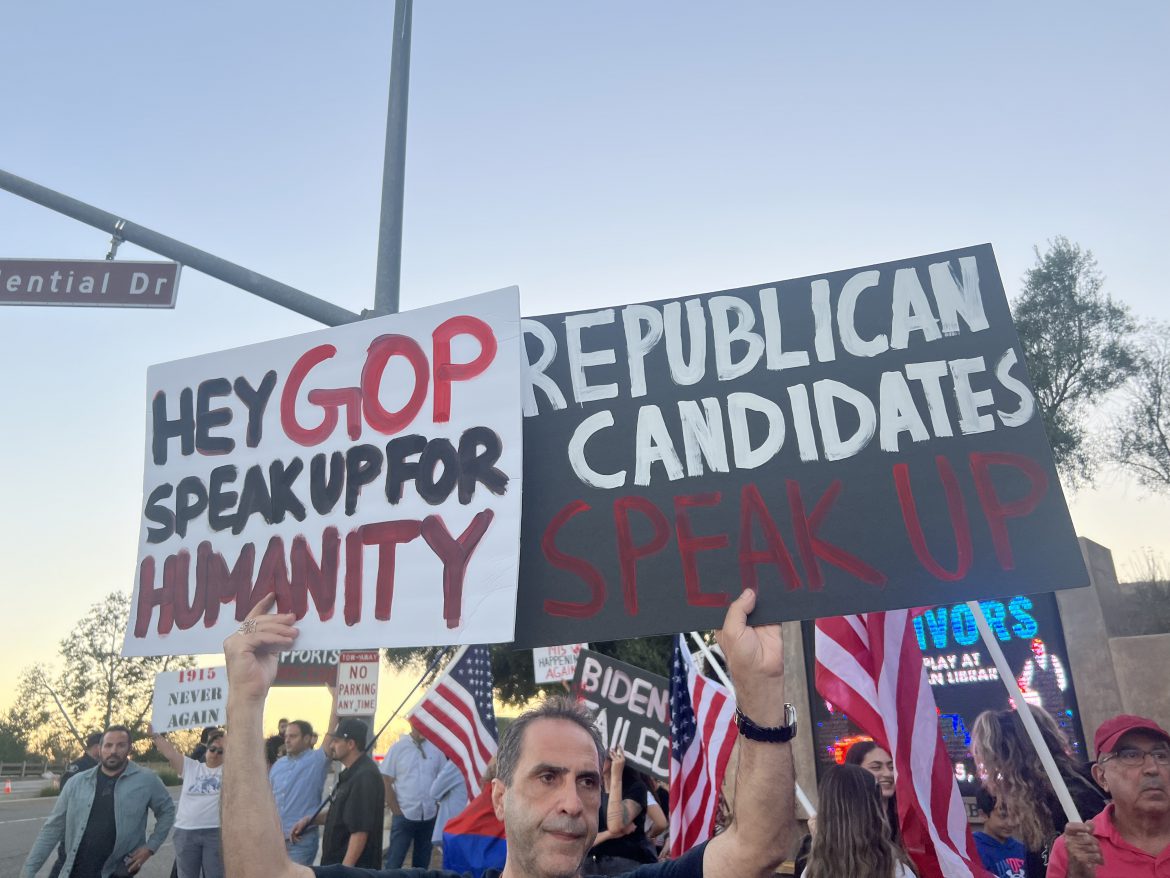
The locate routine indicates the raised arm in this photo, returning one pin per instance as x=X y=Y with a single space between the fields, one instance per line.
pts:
x=620 y=812
x=173 y=757
x=763 y=828
x=253 y=843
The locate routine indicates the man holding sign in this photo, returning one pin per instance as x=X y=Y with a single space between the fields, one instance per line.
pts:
x=548 y=792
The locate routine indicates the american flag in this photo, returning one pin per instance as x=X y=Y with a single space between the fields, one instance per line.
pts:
x=870 y=667
x=702 y=733
x=457 y=715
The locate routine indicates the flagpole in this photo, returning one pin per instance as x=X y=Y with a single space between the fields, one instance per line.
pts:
x=1017 y=696
x=801 y=797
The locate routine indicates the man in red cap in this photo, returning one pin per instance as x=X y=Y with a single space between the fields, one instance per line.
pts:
x=1131 y=837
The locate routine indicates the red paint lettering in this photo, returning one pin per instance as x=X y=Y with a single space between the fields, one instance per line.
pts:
x=628 y=553
x=960 y=525
x=752 y=507
x=996 y=510
x=812 y=547
x=690 y=545
x=455 y=555
x=579 y=566
x=386 y=535
x=447 y=372
x=381 y=350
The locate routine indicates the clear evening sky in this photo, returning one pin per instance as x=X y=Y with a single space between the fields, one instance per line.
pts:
x=592 y=153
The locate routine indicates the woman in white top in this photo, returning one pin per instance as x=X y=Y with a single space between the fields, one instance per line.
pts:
x=852 y=836
x=197 y=842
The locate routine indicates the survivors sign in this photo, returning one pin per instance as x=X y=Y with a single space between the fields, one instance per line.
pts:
x=854 y=441
x=368 y=475
x=632 y=707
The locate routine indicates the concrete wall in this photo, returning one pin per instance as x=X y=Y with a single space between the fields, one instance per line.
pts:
x=1142 y=664
x=1090 y=658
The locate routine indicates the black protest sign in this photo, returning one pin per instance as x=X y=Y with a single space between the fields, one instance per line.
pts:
x=308 y=667
x=854 y=441
x=632 y=707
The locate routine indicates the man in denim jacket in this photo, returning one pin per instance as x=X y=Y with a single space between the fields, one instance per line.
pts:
x=101 y=816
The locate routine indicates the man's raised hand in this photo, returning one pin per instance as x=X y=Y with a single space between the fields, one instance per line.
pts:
x=252 y=652
x=755 y=658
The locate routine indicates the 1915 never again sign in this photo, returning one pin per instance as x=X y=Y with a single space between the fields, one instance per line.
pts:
x=854 y=441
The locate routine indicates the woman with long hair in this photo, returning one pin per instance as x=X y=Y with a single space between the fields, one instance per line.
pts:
x=878 y=762
x=853 y=837
x=1012 y=771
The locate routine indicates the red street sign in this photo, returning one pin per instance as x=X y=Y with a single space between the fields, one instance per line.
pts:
x=94 y=282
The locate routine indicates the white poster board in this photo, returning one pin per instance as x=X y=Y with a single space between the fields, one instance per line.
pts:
x=368 y=474
x=189 y=699
x=357 y=683
x=554 y=664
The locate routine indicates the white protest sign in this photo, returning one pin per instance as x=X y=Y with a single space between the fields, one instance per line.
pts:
x=369 y=475
x=552 y=664
x=357 y=683
x=189 y=699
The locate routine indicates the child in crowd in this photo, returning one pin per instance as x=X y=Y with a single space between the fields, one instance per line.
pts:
x=1002 y=855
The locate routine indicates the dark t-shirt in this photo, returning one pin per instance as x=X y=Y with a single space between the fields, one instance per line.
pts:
x=97 y=842
x=358 y=803
x=633 y=846
x=689 y=865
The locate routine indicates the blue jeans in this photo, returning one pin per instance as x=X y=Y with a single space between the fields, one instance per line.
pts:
x=403 y=834
x=303 y=852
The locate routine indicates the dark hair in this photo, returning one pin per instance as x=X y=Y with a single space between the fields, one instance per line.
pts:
x=856 y=754
x=555 y=707
x=215 y=736
x=852 y=836
x=117 y=728
x=93 y=739
x=205 y=736
x=304 y=725
x=984 y=800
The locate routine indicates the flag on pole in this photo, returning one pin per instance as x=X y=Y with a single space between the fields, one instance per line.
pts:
x=702 y=733
x=457 y=715
x=870 y=667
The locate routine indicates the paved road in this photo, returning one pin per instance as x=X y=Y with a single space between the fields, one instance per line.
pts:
x=21 y=819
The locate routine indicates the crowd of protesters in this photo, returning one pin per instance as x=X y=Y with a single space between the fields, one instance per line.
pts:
x=613 y=820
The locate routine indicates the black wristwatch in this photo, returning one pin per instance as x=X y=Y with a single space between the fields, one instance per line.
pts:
x=775 y=735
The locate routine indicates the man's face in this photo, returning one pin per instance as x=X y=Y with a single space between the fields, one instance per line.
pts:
x=1142 y=788
x=295 y=743
x=550 y=811
x=115 y=752
x=999 y=823
x=340 y=748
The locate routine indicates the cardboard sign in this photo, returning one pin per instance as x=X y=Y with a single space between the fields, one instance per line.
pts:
x=307 y=667
x=854 y=441
x=369 y=475
x=357 y=683
x=189 y=699
x=632 y=708
x=554 y=664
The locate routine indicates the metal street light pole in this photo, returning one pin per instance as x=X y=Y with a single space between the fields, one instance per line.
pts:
x=389 y=270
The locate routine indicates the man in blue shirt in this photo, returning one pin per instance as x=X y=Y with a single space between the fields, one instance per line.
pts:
x=298 y=780
x=1002 y=855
